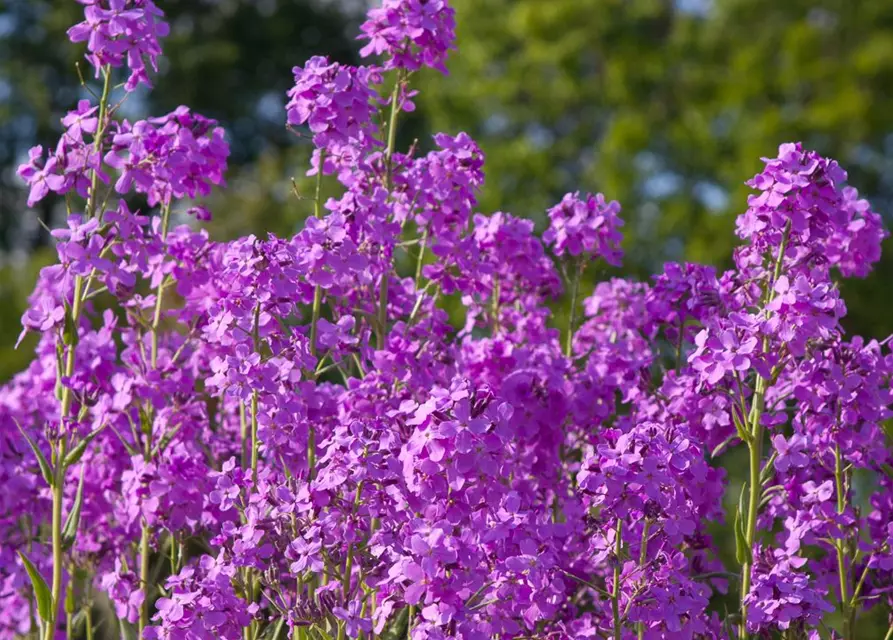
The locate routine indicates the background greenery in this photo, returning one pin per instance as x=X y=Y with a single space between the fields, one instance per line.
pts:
x=665 y=106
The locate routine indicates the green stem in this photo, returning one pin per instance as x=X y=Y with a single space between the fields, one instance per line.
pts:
x=88 y=621
x=839 y=546
x=643 y=558
x=97 y=140
x=314 y=321
x=389 y=154
x=252 y=579
x=317 y=291
x=67 y=396
x=755 y=445
x=243 y=435
x=159 y=292
x=144 y=577
x=392 y=128
x=146 y=533
x=418 y=267
x=175 y=547
x=615 y=591
x=756 y=453
x=255 y=443
x=348 y=563
x=854 y=599
x=59 y=478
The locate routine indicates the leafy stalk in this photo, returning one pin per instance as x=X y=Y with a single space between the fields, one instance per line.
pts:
x=146 y=532
x=840 y=547
x=755 y=447
x=67 y=396
x=615 y=589
x=643 y=557
x=389 y=154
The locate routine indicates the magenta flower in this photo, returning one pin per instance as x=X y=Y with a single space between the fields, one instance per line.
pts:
x=588 y=225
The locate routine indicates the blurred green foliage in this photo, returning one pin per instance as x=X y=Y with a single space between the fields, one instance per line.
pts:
x=668 y=107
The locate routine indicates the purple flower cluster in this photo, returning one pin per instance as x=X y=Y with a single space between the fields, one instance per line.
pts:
x=289 y=435
x=68 y=167
x=410 y=33
x=336 y=103
x=176 y=156
x=119 y=32
x=587 y=225
x=782 y=596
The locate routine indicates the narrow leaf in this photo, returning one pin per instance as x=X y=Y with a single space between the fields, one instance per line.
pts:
x=45 y=469
x=41 y=590
x=721 y=446
x=73 y=521
x=739 y=425
x=70 y=606
x=69 y=330
x=130 y=448
x=743 y=551
x=272 y=632
x=166 y=439
x=74 y=456
x=766 y=473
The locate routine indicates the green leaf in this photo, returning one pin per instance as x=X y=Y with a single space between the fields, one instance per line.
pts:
x=70 y=606
x=145 y=422
x=166 y=440
x=41 y=590
x=73 y=521
x=70 y=330
x=722 y=445
x=46 y=469
x=766 y=473
x=285 y=468
x=743 y=553
x=274 y=631
x=743 y=433
x=74 y=456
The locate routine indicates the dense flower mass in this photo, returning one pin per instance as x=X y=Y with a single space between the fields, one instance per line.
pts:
x=269 y=436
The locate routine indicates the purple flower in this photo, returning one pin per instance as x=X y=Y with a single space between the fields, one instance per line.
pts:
x=337 y=104
x=588 y=225
x=717 y=355
x=410 y=33
x=782 y=596
x=790 y=452
x=355 y=621
x=119 y=32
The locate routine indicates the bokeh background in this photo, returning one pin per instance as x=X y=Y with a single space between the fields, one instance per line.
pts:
x=666 y=106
